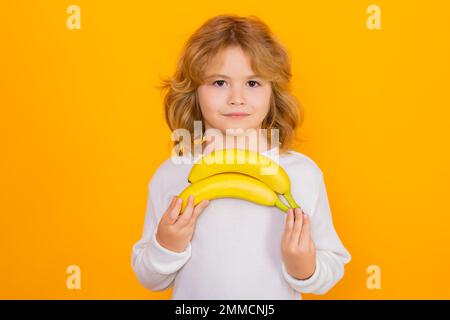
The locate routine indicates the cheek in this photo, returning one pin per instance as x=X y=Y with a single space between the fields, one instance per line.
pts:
x=261 y=101
x=210 y=100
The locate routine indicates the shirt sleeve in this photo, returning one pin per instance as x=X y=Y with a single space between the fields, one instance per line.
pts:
x=154 y=265
x=331 y=255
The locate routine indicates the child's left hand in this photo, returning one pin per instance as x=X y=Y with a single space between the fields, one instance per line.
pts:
x=297 y=247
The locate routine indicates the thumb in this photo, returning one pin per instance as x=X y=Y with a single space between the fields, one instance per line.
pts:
x=306 y=231
x=171 y=215
x=199 y=209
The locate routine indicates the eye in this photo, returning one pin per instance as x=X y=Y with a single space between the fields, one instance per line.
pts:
x=253 y=81
x=217 y=81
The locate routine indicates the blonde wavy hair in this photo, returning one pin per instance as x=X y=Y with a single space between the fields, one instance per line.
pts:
x=268 y=57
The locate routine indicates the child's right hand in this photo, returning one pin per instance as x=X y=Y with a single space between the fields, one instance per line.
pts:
x=174 y=231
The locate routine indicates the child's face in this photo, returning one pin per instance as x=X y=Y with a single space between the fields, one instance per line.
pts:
x=239 y=91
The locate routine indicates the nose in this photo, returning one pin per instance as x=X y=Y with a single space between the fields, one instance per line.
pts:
x=236 y=98
x=238 y=103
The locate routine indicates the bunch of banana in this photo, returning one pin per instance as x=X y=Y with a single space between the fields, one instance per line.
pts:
x=238 y=173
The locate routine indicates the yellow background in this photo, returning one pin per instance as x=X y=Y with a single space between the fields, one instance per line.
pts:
x=82 y=132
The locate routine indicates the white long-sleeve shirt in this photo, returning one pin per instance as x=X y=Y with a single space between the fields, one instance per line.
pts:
x=235 y=251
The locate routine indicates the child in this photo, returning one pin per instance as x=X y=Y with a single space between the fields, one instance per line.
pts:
x=233 y=73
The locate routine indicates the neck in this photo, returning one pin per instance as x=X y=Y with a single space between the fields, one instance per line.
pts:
x=236 y=141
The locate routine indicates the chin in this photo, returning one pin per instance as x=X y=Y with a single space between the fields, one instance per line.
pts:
x=235 y=126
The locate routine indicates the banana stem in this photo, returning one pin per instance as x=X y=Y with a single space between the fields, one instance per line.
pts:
x=280 y=204
x=291 y=200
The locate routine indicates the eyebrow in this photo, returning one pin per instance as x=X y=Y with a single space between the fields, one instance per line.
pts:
x=227 y=77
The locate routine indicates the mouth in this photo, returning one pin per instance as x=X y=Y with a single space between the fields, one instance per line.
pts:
x=236 y=115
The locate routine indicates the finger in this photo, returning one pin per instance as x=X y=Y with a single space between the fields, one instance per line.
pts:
x=198 y=210
x=288 y=225
x=311 y=244
x=187 y=213
x=166 y=215
x=173 y=202
x=174 y=210
x=298 y=223
x=305 y=236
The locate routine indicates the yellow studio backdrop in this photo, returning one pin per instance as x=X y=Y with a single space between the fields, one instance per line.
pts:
x=82 y=131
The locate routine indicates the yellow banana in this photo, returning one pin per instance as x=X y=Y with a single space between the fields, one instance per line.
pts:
x=245 y=162
x=231 y=185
